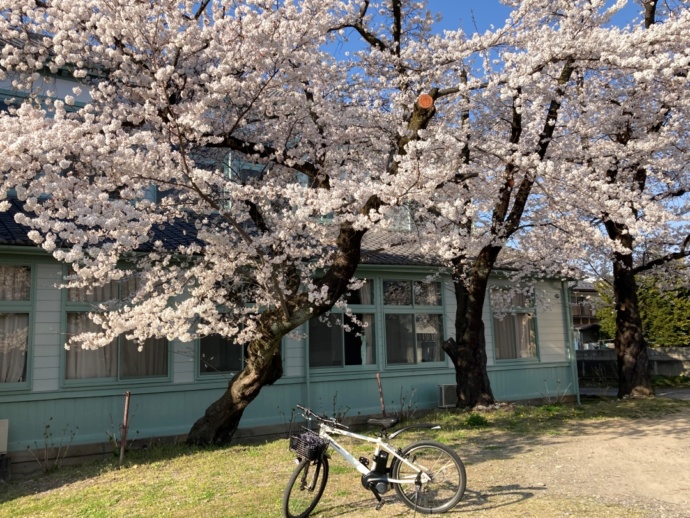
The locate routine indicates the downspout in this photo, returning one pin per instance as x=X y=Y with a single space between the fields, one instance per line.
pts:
x=569 y=338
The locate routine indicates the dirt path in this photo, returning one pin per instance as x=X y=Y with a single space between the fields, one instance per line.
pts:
x=625 y=468
x=609 y=468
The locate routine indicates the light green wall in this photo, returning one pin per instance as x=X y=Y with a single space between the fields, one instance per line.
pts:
x=170 y=406
x=165 y=411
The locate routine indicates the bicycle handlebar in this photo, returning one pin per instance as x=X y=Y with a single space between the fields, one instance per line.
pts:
x=309 y=413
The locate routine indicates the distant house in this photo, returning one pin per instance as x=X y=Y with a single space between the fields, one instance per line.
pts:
x=584 y=301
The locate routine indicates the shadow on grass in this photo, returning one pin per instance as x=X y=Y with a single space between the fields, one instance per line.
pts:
x=492 y=498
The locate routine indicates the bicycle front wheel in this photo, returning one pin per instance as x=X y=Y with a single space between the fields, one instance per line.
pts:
x=446 y=477
x=305 y=488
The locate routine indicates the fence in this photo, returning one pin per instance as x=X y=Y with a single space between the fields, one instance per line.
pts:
x=602 y=364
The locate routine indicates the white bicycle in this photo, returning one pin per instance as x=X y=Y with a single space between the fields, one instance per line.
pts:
x=428 y=476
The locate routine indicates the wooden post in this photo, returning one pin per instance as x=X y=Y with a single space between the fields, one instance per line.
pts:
x=383 y=405
x=123 y=429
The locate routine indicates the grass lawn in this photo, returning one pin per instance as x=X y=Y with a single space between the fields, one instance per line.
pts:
x=248 y=480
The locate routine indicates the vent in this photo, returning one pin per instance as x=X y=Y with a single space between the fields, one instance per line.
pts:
x=447 y=396
x=4 y=428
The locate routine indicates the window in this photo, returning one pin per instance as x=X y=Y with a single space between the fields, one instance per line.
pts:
x=218 y=354
x=15 y=310
x=122 y=358
x=414 y=321
x=514 y=328
x=342 y=340
x=332 y=344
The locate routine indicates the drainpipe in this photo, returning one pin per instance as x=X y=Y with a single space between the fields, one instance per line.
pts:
x=569 y=338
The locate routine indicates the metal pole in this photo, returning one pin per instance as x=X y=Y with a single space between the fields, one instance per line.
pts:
x=383 y=405
x=123 y=429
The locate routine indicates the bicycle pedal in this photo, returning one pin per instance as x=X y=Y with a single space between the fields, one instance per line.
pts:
x=380 y=505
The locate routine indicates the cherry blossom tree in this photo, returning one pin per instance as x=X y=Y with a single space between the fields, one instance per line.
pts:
x=566 y=121
x=249 y=134
x=633 y=158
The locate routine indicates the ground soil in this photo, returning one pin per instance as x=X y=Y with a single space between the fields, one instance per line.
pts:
x=608 y=468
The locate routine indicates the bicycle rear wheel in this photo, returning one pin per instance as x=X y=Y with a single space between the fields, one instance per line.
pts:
x=446 y=472
x=305 y=488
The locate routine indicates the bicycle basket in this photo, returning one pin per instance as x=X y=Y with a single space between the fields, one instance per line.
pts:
x=308 y=446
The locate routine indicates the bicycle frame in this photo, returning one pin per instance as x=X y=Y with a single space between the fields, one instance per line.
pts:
x=325 y=431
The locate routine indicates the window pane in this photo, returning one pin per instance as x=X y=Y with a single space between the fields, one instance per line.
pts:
x=219 y=354
x=88 y=363
x=103 y=293
x=505 y=342
x=359 y=340
x=428 y=329
x=364 y=295
x=397 y=293
x=515 y=337
x=14 y=340
x=527 y=341
x=93 y=293
x=400 y=347
x=427 y=293
x=325 y=342
x=520 y=300
x=15 y=283
x=152 y=360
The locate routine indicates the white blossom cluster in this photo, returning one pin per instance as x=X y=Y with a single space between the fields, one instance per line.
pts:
x=177 y=95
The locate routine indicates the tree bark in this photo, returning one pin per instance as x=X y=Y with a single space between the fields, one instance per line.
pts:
x=221 y=419
x=263 y=362
x=634 y=378
x=468 y=352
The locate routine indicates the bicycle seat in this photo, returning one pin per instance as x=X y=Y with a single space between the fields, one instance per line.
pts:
x=383 y=422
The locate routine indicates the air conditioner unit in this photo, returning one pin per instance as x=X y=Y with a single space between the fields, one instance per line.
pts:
x=4 y=429
x=447 y=396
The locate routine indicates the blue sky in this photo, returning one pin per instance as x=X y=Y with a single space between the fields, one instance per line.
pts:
x=465 y=13
x=459 y=13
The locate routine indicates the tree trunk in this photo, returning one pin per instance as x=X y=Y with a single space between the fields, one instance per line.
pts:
x=634 y=378
x=220 y=422
x=263 y=362
x=468 y=353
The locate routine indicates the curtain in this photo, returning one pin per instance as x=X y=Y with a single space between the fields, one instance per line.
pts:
x=368 y=343
x=151 y=360
x=14 y=340
x=93 y=293
x=526 y=335
x=514 y=336
x=504 y=338
x=15 y=283
x=88 y=363
x=367 y=293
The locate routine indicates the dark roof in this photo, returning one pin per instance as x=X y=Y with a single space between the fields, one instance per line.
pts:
x=584 y=286
x=172 y=236
x=379 y=247
x=394 y=248
x=12 y=233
